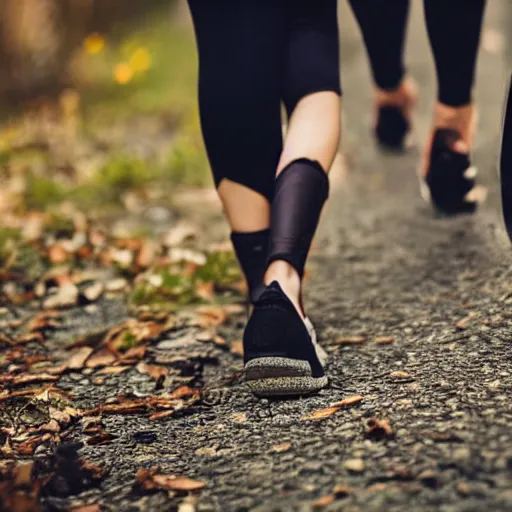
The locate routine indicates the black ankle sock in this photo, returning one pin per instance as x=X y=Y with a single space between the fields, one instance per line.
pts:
x=252 y=252
x=300 y=193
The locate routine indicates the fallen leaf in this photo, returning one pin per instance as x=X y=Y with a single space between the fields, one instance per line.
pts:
x=86 y=508
x=66 y=296
x=78 y=358
x=171 y=483
x=27 y=378
x=57 y=254
x=280 y=448
x=184 y=392
x=154 y=371
x=31 y=337
x=147 y=253
x=116 y=285
x=463 y=323
x=320 y=414
x=239 y=417
x=400 y=375
x=5 y=340
x=322 y=502
x=342 y=490
x=211 y=316
x=378 y=429
x=102 y=438
x=350 y=400
x=51 y=426
x=205 y=290
x=237 y=348
x=114 y=370
x=350 y=340
x=160 y=415
x=384 y=340
x=354 y=465
x=93 y=293
x=101 y=358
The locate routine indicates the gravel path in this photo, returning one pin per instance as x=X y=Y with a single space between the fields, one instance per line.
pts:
x=415 y=312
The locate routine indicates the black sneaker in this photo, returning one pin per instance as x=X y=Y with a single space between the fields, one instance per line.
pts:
x=281 y=355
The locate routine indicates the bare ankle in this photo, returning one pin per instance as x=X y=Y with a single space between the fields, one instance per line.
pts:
x=289 y=280
x=462 y=119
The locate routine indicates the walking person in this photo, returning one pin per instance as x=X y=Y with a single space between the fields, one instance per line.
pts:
x=453 y=26
x=253 y=55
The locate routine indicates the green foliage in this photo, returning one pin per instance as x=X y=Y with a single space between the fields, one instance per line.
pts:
x=187 y=164
x=41 y=192
x=60 y=226
x=178 y=287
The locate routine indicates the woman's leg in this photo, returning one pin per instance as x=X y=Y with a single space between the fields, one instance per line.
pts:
x=281 y=354
x=383 y=26
x=241 y=56
x=311 y=93
x=446 y=163
x=455 y=53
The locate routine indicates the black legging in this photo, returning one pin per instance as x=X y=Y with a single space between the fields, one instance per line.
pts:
x=253 y=54
x=454 y=31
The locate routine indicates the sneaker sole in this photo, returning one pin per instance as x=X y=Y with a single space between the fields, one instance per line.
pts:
x=282 y=376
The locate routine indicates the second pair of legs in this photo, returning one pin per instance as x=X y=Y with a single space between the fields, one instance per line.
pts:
x=454 y=27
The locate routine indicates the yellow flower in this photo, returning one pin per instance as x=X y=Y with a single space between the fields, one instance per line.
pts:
x=123 y=73
x=140 y=61
x=94 y=43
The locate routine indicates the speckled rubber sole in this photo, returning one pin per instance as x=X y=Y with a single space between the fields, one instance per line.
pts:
x=282 y=376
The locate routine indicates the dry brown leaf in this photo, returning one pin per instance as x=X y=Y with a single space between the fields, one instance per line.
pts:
x=27 y=378
x=57 y=254
x=147 y=253
x=93 y=293
x=350 y=400
x=350 y=340
x=280 y=448
x=400 y=375
x=205 y=290
x=342 y=490
x=51 y=426
x=149 y=481
x=320 y=414
x=322 y=502
x=378 y=429
x=160 y=415
x=30 y=337
x=237 y=348
x=114 y=370
x=101 y=358
x=211 y=316
x=102 y=438
x=86 y=508
x=154 y=371
x=384 y=340
x=5 y=340
x=66 y=296
x=78 y=358
x=184 y=392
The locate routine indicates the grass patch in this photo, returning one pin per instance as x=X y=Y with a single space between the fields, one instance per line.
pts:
x=41 y=192
x=184 y=283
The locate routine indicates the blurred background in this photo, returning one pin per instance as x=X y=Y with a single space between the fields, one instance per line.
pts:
x=97 y=98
